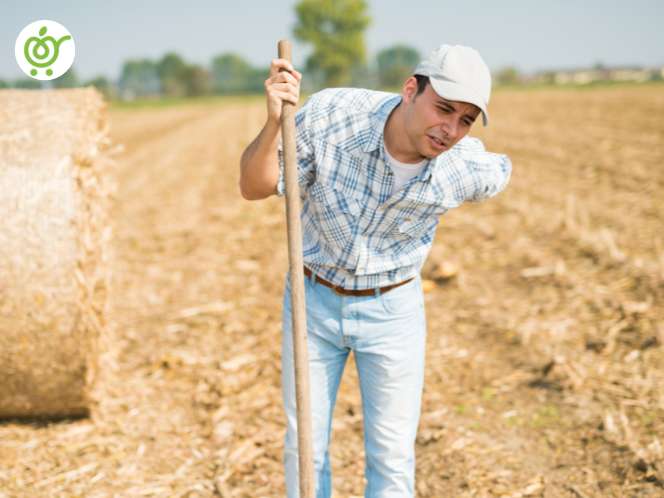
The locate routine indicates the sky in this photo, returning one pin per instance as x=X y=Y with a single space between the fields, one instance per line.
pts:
x=532 y=36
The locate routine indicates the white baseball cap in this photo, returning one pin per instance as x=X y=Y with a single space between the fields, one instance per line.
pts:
x=459 y=73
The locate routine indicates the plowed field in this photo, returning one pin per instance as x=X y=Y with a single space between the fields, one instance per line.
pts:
x=545 y=360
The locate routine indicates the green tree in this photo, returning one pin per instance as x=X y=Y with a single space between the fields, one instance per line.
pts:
x=102 y=84
x=139 y=78
x=27 y=83
x=172 y=70
x=548 y=77
x=335 y=28
x=257 y=78
x=4 y=84
x=197 y=80
x=67 y=80
x=230 y=73
x=508 y=76
x=396 y=64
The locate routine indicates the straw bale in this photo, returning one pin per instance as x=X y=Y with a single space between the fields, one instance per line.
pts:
x=54 y=240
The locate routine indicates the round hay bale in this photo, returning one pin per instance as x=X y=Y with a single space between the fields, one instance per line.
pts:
x=54 y=237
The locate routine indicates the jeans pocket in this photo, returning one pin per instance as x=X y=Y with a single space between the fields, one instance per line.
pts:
x=404 y=300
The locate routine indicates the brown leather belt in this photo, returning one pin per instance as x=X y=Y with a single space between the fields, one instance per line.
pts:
x=352 y=292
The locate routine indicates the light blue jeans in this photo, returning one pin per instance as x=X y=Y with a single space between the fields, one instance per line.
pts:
x=387 y=334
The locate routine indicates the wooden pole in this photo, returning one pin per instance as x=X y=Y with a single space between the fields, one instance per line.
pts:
x=295 y=258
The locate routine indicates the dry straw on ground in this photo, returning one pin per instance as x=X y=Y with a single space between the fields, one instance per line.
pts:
x=545 y=326
x=53 y=238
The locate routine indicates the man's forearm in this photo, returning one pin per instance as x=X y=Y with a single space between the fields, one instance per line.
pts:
x=259 y=165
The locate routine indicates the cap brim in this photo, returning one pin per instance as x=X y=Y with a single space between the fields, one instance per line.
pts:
x=453 y=91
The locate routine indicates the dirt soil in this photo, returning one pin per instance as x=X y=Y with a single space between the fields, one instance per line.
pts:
x=544 y=349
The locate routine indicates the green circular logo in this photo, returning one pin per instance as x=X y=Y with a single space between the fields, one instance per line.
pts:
x=45 y=50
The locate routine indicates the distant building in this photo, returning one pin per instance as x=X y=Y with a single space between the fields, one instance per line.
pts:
x=585 y=76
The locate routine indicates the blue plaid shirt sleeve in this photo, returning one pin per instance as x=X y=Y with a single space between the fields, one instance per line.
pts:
x=490 y=172
x=304 y=151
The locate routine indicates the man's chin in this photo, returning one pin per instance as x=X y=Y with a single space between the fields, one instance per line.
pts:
x=432 y=154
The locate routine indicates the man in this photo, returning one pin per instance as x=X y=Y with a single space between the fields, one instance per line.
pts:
x=376 y=171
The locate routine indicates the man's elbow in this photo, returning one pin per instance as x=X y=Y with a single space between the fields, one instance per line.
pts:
x=246 y=193
x=253 y=194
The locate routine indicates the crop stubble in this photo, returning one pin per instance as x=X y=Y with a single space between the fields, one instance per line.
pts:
x=544 y=352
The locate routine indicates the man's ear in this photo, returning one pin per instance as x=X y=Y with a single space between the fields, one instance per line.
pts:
x=409 y=89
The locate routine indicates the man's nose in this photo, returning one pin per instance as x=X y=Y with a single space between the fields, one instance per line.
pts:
x=450 y=128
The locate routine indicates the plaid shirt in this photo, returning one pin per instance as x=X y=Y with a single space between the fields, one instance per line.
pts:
x=355 y=233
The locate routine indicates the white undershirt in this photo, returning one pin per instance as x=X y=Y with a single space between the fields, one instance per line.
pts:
x=402 y=171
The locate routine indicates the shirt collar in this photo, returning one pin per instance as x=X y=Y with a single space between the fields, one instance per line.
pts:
x=378 y=117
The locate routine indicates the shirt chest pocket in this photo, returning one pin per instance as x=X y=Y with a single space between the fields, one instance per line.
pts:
x=410 y=231
x=416 y=228
x=336 y=212
x=413 y=227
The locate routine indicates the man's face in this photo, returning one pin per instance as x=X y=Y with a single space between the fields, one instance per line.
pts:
x=434 y=124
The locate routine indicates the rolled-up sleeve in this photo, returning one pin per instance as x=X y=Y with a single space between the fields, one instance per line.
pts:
x=304 y=151
x=489 y=172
